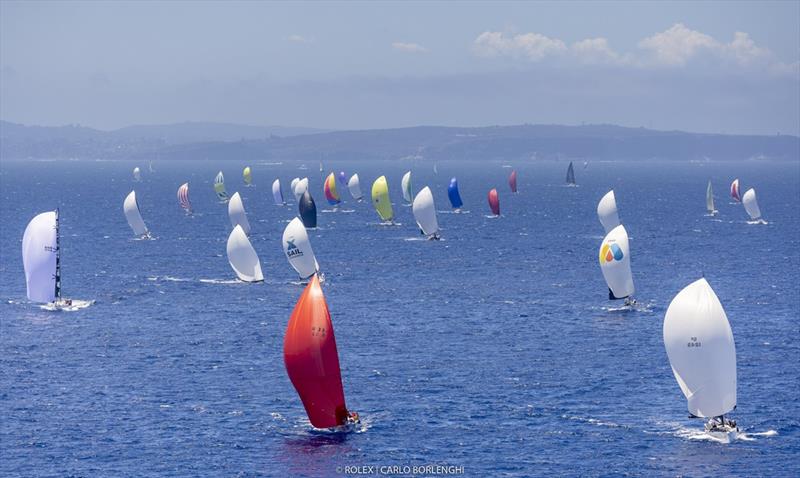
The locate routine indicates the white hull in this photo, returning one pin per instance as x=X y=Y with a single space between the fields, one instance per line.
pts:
x=67 y=305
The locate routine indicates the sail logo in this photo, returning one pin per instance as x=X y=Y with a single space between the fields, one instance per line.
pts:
x=292 y=250
x=610 y=252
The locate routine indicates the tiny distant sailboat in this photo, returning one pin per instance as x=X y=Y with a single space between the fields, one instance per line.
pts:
x=299 y=188
x=219 y=187
x=247 y=175
x=308 y=210
x=381 y=201
x=137 y=174
x=702 y=353
x=277 y=194
x=512 y=181
x=321 y=169
x=615 y=263
x=710 y=200
x=342 y=179
x=408 y=193
x=312 y=361
x=751 y=206
x=354 y=186
x=607 y=212
x=131 y=209
x=41 y=259
x=735 y=190
x=242 y=257
x=237 y=214
x=331 y=194
x=298 y=250
x=585 y=164
x=150 y=167
x=435 y=169
x=571 y=175
x=183 y=198
x=454 y=196
x=425 y=213
x=494 y=202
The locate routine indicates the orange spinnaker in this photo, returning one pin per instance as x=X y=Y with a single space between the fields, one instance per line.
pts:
x=312 y=362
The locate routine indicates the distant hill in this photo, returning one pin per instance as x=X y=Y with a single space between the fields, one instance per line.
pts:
x=221 y=142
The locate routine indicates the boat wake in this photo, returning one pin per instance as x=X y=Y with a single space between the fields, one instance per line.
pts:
x=759 y=221
x=168 y=279
x=74 y=305
x=221 y=281
x=492 y=216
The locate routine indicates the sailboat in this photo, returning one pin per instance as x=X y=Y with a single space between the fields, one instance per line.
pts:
x=277 y=194
x=425 y=213
x=607 y=211
x=298 y=250
x=342 y=178
x=183 y=198
x=330 y=191
x=41 y=259
x=735 y=190
x=512 y=181
x=219 y=187
x=242 y=257
x=494 y=202
x=320 y=167
x=247 y=176
x=308 y=210
x=710 y=200
x=435 y=169
x=354 y=185
x=381 y=201
x=293 y=184
x=137 y=174
x=571 y=175
x=454 y=196
x=702 y=353
x=131 y=209
x=299 y=188
x=751 y=206
x=312 y=361
x=237 y=214
x=405 y=183
x=615 y=263
x=150 y=167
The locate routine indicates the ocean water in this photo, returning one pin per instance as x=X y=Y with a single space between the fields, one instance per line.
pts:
x=495 y=350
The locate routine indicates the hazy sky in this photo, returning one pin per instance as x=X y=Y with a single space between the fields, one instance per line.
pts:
x=712 y=67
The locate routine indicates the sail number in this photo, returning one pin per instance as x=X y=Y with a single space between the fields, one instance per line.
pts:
x=694 y=342
x=318 y=331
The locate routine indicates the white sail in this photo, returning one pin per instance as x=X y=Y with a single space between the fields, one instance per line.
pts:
x=701 y=350
x=607 y=211
x=236 y=213
x=243 y=257
x=425 y=212
x=355 y=187
x=137 y=174
x=299 y=188
x=408 y=194
x=710 y=199
x=298 y=250
x=132 y=214
x=751 y=204
x=39 y=257
x=615 y=262
x=293 y=184
x=277 y=194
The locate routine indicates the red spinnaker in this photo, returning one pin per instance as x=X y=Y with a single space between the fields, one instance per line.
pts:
x=512 y=181
x=312 y=362
x=494 y=202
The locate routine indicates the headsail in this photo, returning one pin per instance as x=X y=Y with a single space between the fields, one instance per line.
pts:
x=247 y=176
x=277 y=194
x=40 y=257
x=355 y=187
x=132 y=214
x=701 y=350
x=425 y=212
x=735 y=190
x=570 y=174
x=236 y=213
x=710 y=199
x=299 y=188
x=615 y=262
x=408 y=193
x=219 y=187
x=242 y=257
x=137 y=174
x=607 y=211
x=380 y=199
x=512 y=181
x=298 y=250
x=183 y=198
x=494 y=202
x=452 y=193
x=312 y=361
x=330 y=190
x=751 y=204
x=308 y=210
x=293 y=184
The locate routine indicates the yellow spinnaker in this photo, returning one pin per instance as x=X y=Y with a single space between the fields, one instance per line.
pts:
x=248 y=177
x=380 y=199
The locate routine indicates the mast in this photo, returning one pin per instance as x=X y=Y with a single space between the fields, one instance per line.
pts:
x=58 y=260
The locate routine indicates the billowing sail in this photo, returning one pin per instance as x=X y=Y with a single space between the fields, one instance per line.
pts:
x=40 y=257
x=312 y=361
x=751 y=205
x=701 y=350
x=615 y=262
x=219 y=187
x=299 y=188
x=512 y=181
x=355 y=187
x=308 y=210
x=607 y=211
x=425 y=212
x=452 y=193
x=570 y=174
x=183 y=198
x=236 y=213
x=243 y=257
x=735 y=190
x=247 y=176
x=293 y=184
x=298 y=250
x=132 y=214
x=710 y=199
x=380 y=199
x=277 y=194
x=330 y=190
x=408 y=193
x=137 y=174
x=494 y=202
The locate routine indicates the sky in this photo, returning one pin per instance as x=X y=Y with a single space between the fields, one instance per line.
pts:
x=718 y=67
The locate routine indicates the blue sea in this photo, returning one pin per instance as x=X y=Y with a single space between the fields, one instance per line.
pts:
x=495 y=350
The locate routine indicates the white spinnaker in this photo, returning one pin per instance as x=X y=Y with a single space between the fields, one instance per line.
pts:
x=277 y=194
x=132 y=214
x=354 y=186
x=617 y=269
x=751 y=205
x=243 y=257
x=425 y=212
x=293 y=184
x=236 y=213
x=299 y=188
x=39 y=253
x=710 y=198
x=137 y=174
x=406 y=187
x=701 y=350
x=297 y=249
x=607 y=211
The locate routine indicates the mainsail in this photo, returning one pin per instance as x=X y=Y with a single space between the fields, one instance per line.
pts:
x=137 y=174
x=425 y=212
x=751 y=204
x=615 y=263
x=277 y=194
x=607 y=212
x=219 y=187
x=242 y=257
x=494 y=202
x=355 y=187
x=308 y=210
x=330 y=190
x=710 y=199
x=570 y=174
x=512 y=181
x=293 y=184
x=132 y=214
x=735 y=190
x=380 y=199
x=247 y=176
x=408 y=193
x=40 y=258
x=183 y=198
x=298 y=250
x=236 y=213
x=452 y=193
